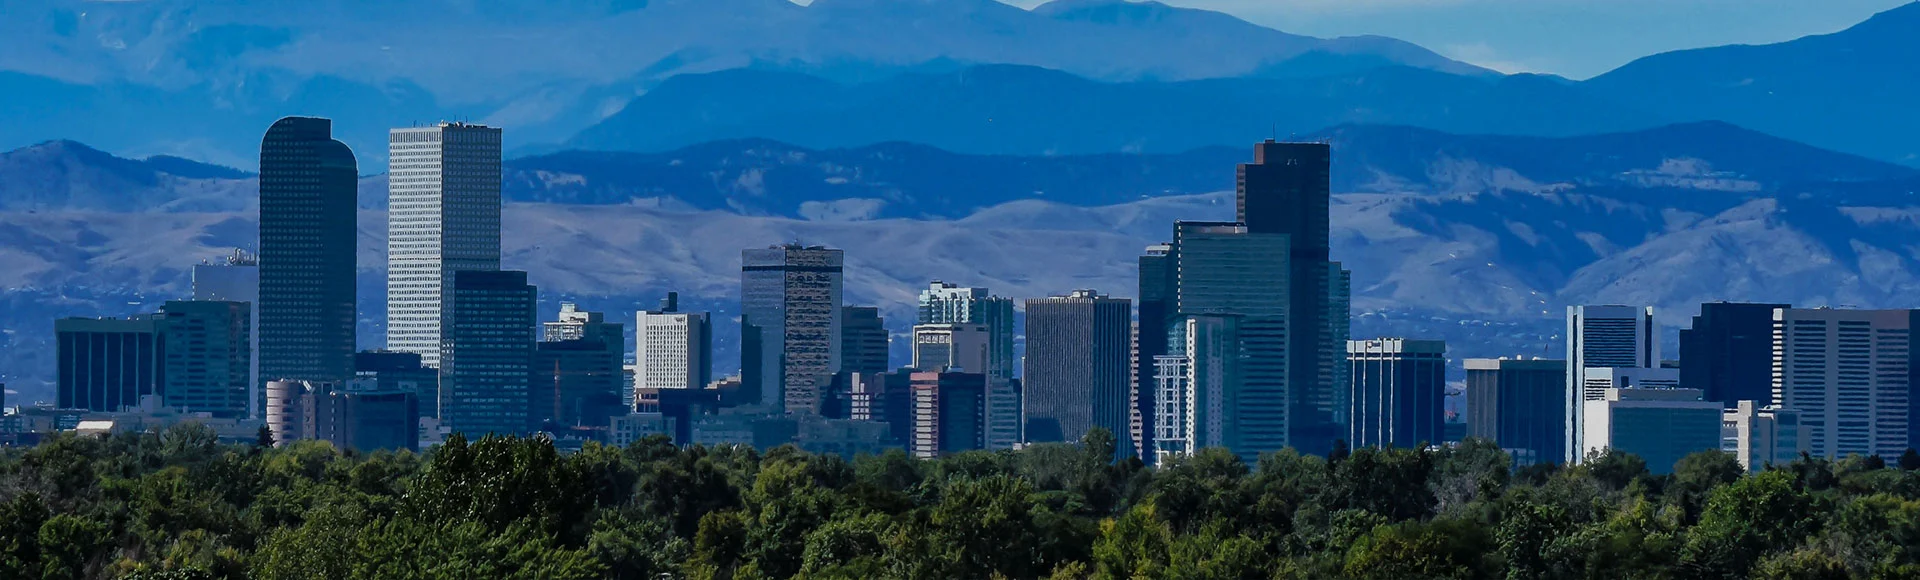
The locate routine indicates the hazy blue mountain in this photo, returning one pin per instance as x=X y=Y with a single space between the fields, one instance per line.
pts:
x=900 y=180
x=1003 y=109
x=1850 y=91
x=204 y=79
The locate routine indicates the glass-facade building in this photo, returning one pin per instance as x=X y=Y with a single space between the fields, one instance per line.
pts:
x=107 y=364
x=309 y=191
x=1398 y=392
x=487 y=356
x=209 y=356
x=1223 y=269
x=1079 y=368
x=443 y=215
x=790 y=324
x=1520 y=406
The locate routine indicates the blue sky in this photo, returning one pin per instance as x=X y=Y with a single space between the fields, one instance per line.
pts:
x=1574 y=38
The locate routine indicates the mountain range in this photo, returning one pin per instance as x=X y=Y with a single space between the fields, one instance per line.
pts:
x=1479 y=240
x=201 y=80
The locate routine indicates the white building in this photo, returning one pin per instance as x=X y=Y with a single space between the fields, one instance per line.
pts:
x=238 y=280
x=1194 y=386
x=1598 y=379
x=1762 y=435
x=1846 y=373
x=1617 y=337
x=443 y=198
x=671 y=348
x=1658 y=425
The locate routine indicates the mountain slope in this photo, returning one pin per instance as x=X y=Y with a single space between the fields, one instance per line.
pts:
x=1849 y=91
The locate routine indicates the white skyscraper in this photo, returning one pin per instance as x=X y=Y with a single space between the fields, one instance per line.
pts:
x=1617 y=337
x=238 y=280
x=1846 y=373
x=443 y=198
x=672 y=348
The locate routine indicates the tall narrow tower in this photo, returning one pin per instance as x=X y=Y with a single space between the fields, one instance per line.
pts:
x=1286 y=190
x=308 y=195
x=790 y=323
x=443 y=197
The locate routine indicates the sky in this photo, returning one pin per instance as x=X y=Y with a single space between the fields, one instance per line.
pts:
x=1572 y=38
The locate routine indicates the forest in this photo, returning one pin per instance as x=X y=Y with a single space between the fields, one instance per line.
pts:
x=179 y=505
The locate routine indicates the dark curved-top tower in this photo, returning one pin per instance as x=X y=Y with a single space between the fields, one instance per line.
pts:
x=308 y=195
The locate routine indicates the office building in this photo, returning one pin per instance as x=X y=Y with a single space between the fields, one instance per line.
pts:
x=1848 y=374
x=1398 y=393
x=237 y=279
x=401 y=371
x=863 y=340
x=1728 y=352
x=577 y=382
x=289 y=412
x=209 y=356
x=1223 y=269
x=680 y=407
x=627 y=429
x=108 y=364
x=1196 y=385
x=443 y=199
x=790 y=318
x=1520 y=405
x=949 y=413
x=1617 y=337
x=943 y=303
x=487 y=357
x=1155 y=295
x=1077 y=369
x=1599 y=379
x=309 y=188
x=1760 y=435
x=361 y=416
x=1658 y=425
x=957 y=347
x=672 y=349
x=1286 y=191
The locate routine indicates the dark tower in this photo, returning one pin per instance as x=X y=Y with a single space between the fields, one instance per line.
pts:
x=1728 y=353
x=1286 y=190
x=308 y=196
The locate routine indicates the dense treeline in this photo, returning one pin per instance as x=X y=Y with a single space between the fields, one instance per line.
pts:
x=178 y=505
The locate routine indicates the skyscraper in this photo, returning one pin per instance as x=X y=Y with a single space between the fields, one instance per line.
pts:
x=107 y=364
x=863 y=340
x=1286 y=191
x=487 y=357
x=1398 y=393
x=1623 y=337
x=1521 y=406
x=401 y=371
x=577 y=370
x=1224 y=269
x=1197 y=386
x=308 y=195
x=790 y=307
x=943 y=303
x=237 y=279
x=209 y=356
x=1156 y=293
x=443 y=195
x=1728 y=353
x=1848 y=374
x=672 y=349
x=949 y=413
x=957 y=347
x=1077 y=369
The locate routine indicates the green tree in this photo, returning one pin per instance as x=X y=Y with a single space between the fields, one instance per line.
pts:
x=1746 y=521
x=72 y=547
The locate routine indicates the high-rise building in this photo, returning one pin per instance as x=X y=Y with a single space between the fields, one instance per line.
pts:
x=1761 y=435
x=1398 y=393
x=309 y=188
x=362 y=416
x=790 y=323
x=401 y=371
x=1658 y=425
x=1519 y=405
x=943 y=303
x=1196 y=383
x=289 y=413
x=955 y=347
x=443 y=198
x=108 y=364
x=1286 y=190
x=1728 y=353
x=672 y=349
x=1848 y=374
x=1156 y=293
x=577 y=377
x=487 y=356
x=1077 y=367
x=237 y=279
x=863 y=340
x=1223 y=269
x=209 y=356
x=949 y=413
x=1618 y=337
